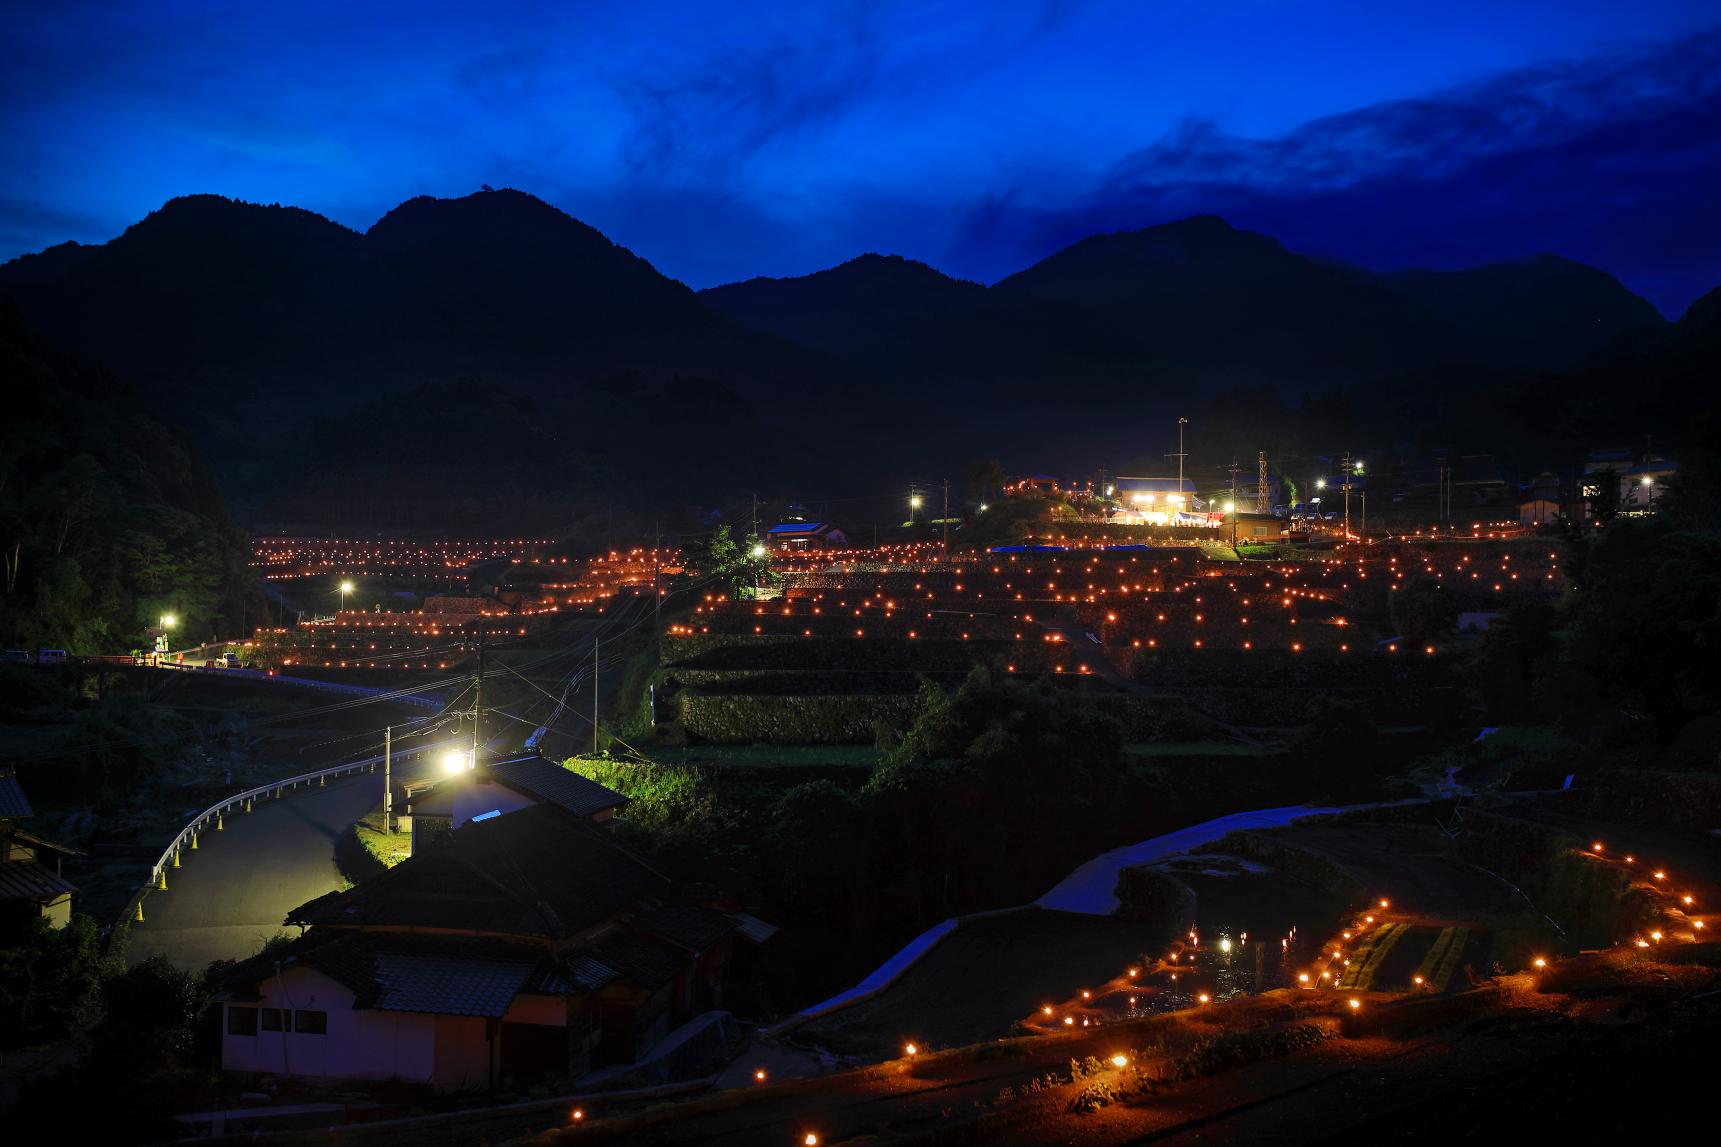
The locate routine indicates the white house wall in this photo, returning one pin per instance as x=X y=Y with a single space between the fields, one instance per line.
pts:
x=358 y=1044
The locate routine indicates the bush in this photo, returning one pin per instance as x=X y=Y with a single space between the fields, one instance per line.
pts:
x=51 y=980
x=791 y=720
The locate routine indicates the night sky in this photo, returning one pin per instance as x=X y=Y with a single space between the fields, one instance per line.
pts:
x=723 y=141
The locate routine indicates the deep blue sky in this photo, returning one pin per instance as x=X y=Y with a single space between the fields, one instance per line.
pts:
x=723 y=141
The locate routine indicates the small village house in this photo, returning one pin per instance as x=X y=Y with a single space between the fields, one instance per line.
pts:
x=525 y=944
x=31 y=881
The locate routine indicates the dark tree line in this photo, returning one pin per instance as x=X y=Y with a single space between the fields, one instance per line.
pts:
x=1637 y=640
x=108 y=519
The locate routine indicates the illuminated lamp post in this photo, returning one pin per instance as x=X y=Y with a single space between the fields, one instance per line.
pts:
x=346 y=588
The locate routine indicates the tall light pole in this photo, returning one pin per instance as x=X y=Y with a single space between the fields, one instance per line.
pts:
x=947 y=519
x=1181 y=423
x=346 y=588
x=913 y=502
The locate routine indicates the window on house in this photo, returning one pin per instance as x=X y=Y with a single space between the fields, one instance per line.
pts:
x=311 y=1023
x=241 y=1021
x=272 y=1019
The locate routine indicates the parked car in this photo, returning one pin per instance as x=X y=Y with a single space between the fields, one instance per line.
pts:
x=18 y=656
x=50 y=657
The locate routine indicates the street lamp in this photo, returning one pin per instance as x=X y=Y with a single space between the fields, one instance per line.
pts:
x=346 y=588
x=758 y=549
x=455 y=762
x=168 y=621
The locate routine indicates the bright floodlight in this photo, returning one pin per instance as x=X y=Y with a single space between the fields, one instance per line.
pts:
x=915 y=501
x=1230 y=507
x=346 y=587
x=168 y=621
x=1320 y=483
x=983 y=507
x=454 y=761
x=1648 y=481
x=758 y=550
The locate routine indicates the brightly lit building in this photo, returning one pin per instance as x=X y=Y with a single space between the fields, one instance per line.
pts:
x=1158 y=502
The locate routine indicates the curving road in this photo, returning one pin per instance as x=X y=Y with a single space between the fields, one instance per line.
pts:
x=231 y=894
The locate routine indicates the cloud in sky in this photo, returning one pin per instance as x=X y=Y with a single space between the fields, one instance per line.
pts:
x=728 y=141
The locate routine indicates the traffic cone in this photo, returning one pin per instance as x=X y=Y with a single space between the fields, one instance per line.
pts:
x=161 y=882
x=323 y=782
x=139 y=917
x=176 y=858
x=247 y=804
x=194 y=842
x=218 y=825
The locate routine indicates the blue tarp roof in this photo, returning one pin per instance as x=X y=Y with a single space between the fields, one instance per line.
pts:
x=796 y=528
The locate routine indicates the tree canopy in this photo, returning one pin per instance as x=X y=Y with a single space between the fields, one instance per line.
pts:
x=108 y=519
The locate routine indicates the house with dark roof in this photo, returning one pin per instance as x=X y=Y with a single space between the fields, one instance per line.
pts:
x=436 y=807
x=31 y=881
x=528 y=944
x=802 y=535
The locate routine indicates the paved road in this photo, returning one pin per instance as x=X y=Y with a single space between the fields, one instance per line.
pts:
x=233 y=892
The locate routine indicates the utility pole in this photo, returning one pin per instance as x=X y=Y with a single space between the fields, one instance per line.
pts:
x=1233 y=504
x=387 y=783
x=1346 y=464
x=947 y=519
x=594 y=696
x=478 y=696
x=1263 y=501
x=656 y=594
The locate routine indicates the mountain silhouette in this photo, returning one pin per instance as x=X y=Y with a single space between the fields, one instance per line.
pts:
x=500 y=285
x=264 y=327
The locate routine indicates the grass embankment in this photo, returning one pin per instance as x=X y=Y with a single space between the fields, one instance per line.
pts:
x=765 y=756
x=367 y=847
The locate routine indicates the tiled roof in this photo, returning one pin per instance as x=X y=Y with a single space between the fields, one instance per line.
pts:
x=395 y=973
x=547 y=781
x=570 y=973
x=532 y=872
x=27 y=880
x=44 y=842
x=688 y=925
x=450 y=983
x=642 y=961
x=12 y=800
x=754 y=928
